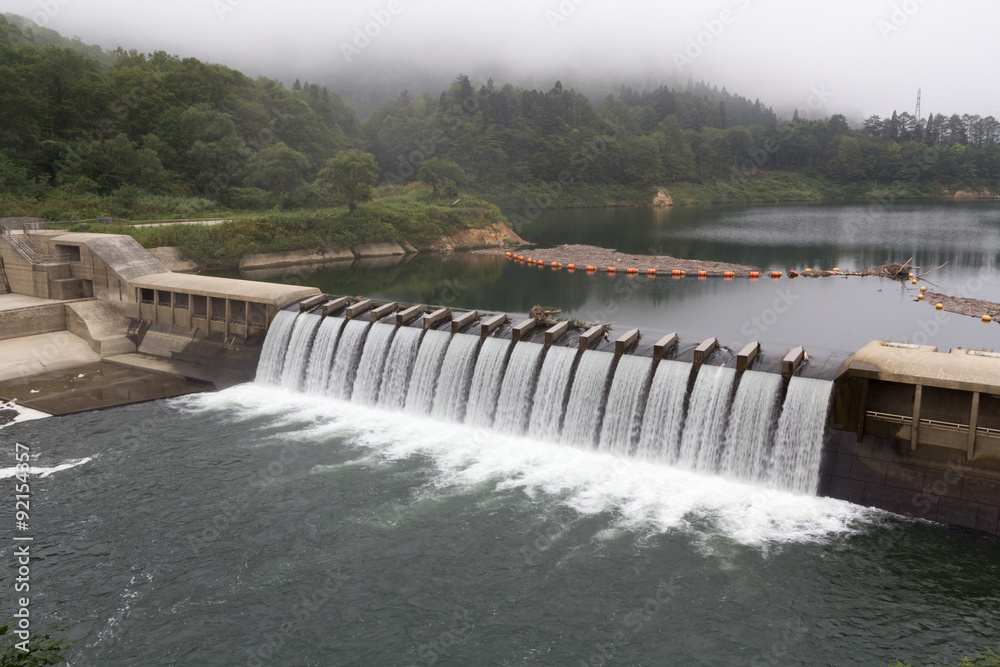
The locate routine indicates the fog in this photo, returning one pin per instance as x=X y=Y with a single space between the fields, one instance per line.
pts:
x=857 y=57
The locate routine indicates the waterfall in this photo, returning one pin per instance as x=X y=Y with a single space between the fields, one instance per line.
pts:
x=551 y=393
x=623 y=412
x=398 y=365
x=272 y=355
x=423 y=382
x=324 y=345
x=583 y=414
x=558 y=394
x=751 y=427
x=799 y=443
x=663 y=422
x=299 y=347
x=345 y=361
x=453 y=384
x=369 y=380
x=514 y=404
x=705 y=429
x=486 y=382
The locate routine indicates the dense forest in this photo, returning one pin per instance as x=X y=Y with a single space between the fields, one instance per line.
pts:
x=128 y=125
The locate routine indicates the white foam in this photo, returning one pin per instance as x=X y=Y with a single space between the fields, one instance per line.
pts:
x=34 y=471
x=23 y=414
x=641 y=496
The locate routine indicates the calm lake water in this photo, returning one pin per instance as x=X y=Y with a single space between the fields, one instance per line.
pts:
x=838 y=314
x=262 y=526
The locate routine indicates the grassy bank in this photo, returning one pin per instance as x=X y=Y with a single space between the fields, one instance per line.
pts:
x=397 y=214
x=762 y=187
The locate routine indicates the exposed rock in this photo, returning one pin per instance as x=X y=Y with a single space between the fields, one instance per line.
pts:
x=662 y=200
x=275 y=260
x=496 y=235
x=378 y=250
x=174 y=259
x=975 y=194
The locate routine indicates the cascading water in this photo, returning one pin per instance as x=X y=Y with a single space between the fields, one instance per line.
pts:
x=583 y=413
x=486 y=382
x=398 y=364
x=514 y=404
x=272 y=355
x=623 y=412
x=345 y=361
x=369 y=380
x=751 y=427
x=324 y=346
x=420 y=393
x=551 y=393
x=490 y=384
x=452 y=392
x=798 y=445
x=705 y=428
x=299 y=347
x=663 y=421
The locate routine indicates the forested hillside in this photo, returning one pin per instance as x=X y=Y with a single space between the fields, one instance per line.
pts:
x=129 y=125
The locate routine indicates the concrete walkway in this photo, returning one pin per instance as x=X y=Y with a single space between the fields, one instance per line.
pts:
x=32 y=355
x=16 y=301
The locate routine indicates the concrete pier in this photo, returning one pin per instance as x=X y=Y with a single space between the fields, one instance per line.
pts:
x=792 y=361
x=704 y=350
x=554 y=333
x=384 y=311
x=311 y=302
x=437 y=317
x=588 y=337
x=491 y=324
x=464 y=320
x=359 y=308
x=522 y=330
x=408 y=315
x=746 y=356
x=663 y=346
x=626 y=341
x=333 y=305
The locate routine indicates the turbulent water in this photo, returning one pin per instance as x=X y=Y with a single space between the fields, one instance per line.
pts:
x=275 y=523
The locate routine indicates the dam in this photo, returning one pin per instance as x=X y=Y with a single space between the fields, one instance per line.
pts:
x=900 y=427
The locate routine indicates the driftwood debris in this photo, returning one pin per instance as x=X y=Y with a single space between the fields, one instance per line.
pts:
x=542 y=316
x=897 y=270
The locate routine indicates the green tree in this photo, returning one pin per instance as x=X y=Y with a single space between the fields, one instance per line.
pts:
x=350 y=176
x=442 y=174
x=278 y=169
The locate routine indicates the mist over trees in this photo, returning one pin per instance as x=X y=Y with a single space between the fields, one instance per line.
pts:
x=159 y=123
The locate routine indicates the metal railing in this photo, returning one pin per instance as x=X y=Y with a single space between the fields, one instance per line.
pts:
x=22 y=243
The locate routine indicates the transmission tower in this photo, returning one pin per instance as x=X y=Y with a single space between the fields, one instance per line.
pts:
x=917 y=113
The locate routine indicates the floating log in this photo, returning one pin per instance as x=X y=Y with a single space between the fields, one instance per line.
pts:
x=464 y=320
x=664 y=345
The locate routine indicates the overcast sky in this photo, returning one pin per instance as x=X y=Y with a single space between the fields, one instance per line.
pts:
x=857 y=57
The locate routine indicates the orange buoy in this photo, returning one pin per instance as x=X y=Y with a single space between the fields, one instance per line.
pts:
x=676 y=273
x=591 y=268
x=612 y=269
x=729 y=274
x=571 y=267
x=702 y=275
x=793 y=274
x=631 y=271
x=755 y=274
x=650 y=272
x=775 y=274
x=554 y=265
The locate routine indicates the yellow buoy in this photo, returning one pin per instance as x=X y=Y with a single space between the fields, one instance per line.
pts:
x=939 y=306
x=923 y=288
x=920 y=297
x=987 y=318
x=913 y=282
x=911 y=275
x=807 y=271
x=835 y=269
